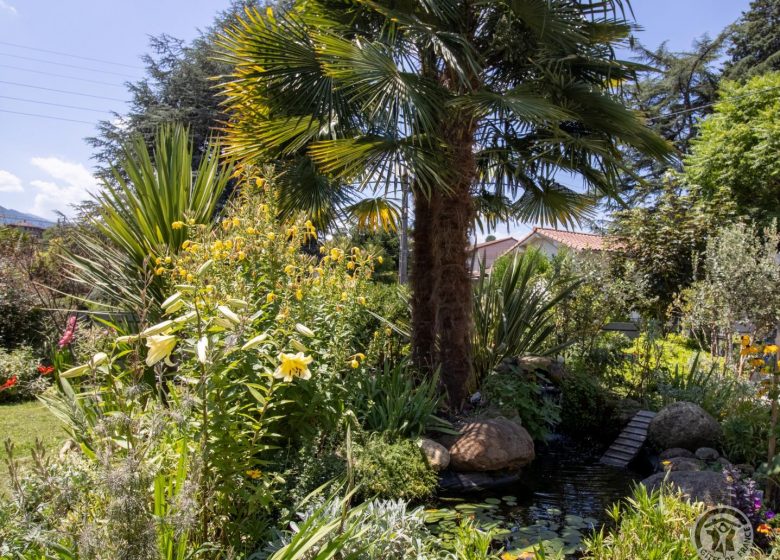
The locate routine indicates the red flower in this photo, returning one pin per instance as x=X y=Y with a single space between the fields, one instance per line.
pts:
x=8 y=384
x=45 y=370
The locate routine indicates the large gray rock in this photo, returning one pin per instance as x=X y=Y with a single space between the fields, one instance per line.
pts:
x=698 y=486
x=491 y=445
x=683 y=464
x=676 y=452
x=436 y=454
x=685 y=425
x=707 y=454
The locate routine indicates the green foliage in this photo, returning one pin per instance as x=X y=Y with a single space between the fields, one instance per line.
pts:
x=514 y=394
x=21 y=365
x=649 y=525
x=711 y=386
x=392 y=469
x=738 y=287
x=138 y=216
x=334 y=529
x=390 y=401
x=734 y=158
x=513 y=312
x=746 y=431
x=661 y=241
x=586 y=407
x=755 y=41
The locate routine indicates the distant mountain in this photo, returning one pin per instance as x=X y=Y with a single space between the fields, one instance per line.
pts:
x=10 y=216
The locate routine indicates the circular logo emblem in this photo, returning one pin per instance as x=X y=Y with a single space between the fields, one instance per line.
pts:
x=722 y=533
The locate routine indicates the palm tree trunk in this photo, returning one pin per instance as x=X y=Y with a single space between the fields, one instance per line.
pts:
x=454 y=293
x=423 y=281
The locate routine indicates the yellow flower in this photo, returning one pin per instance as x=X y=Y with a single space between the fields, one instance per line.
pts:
x=757 y=362
x=323 y=250
x=293 y=365
x=298 y=295
x=335 y=254
x=271 y=236
x=254 y=474
x=745 y=340
x=289 y=269
x=355 y=364
x=226 y=224
x=350 y=265
x=159 y=271
x=770 y=349
x=241 y=255
x=380 y=260
x=236 y=222
x=160 y=347
x=186 y=244
x=168 y=260
x=764 y=529
x=361 y=300
x=343 y=296
x=270 y=297
x=251 y=231
x=177 y=225
x=158 y=260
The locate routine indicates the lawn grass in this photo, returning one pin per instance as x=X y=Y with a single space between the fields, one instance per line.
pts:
x=23 y=423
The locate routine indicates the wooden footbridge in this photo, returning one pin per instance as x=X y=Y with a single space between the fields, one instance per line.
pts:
x=630 y=441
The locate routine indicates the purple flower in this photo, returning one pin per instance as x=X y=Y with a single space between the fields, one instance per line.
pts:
x=770 y=515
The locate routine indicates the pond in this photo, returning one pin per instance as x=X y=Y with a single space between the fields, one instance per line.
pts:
x=561 y=497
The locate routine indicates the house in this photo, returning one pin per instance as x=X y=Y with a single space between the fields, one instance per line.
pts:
x=549 y=241
x=485 y=254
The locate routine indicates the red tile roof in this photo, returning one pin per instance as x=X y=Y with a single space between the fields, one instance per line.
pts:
x=576 y=240
x=488 y=243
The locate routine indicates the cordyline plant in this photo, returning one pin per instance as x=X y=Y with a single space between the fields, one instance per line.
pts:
x=500 y=98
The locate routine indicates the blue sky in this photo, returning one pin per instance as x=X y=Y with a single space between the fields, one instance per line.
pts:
x=45 y=164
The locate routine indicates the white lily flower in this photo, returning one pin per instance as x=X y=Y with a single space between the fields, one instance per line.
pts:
x=255 y=341
x=202 y=347
x=229 y=314
x=304 y=330
x=160 y=347
x=157 y=329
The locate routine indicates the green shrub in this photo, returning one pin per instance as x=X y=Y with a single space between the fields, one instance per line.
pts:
x=20 y=365
x=648 y=525
x=746 y=431
x=513 y=312
x=586 y=407
x=389 y=400
x=514 y=394
x=388 y=468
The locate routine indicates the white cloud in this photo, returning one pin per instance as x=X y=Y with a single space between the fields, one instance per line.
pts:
x=10 y=182
x=6 y=7
x=68 y=183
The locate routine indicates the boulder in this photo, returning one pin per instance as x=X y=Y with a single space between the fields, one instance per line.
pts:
x=683 y=464
x=491 y=445
x=707 y=454
x=723 y=461
x=435 y=453
x=685 y=425
x=676 y=452
x=699 y=486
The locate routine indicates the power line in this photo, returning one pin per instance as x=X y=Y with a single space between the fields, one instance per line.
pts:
x=44 y=116
x=699 y=107
x=60 y=53
x=77 y=78
x=63 y=64
x=63 y=91
x=53 y=104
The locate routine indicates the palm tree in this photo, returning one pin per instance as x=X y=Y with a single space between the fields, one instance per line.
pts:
x=465 y=97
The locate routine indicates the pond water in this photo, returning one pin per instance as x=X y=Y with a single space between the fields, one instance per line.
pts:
x=560 y=499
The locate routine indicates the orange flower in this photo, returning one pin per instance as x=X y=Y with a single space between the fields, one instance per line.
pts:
x=764 y=529
x=8 y=384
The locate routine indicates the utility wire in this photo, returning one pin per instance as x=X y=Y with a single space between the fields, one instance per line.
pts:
x=44 y=116
x=51 y=74
x=62 y=64
x=683 y=111
x=53 y=104
x=60 y=53
x=63 y=91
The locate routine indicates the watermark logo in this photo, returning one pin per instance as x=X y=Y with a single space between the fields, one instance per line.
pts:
x=722 y=533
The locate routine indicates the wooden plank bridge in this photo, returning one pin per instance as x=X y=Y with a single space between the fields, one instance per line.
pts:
x=630 y=441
